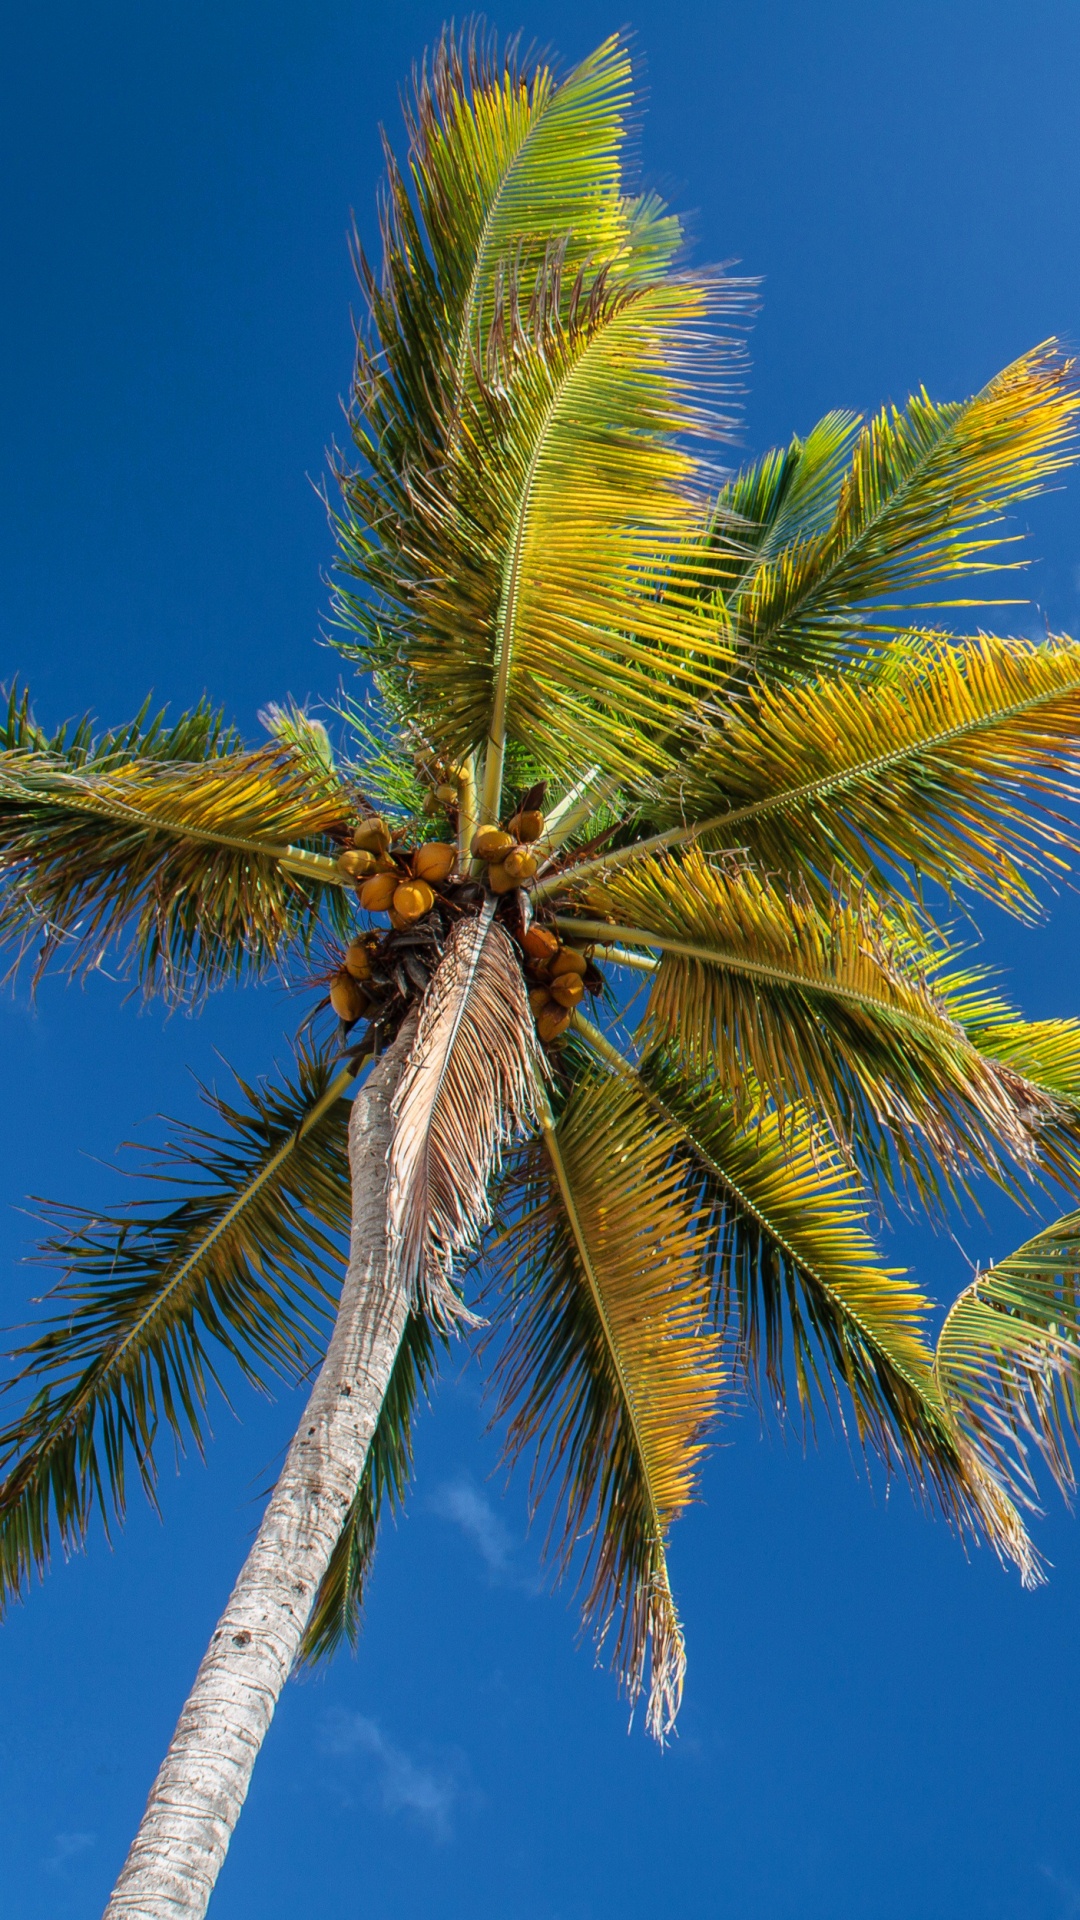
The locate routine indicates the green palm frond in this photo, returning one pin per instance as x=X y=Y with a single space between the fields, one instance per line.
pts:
x=244 y=1261
x=833 y=1008
x=800 y=1290
x=1008 y=1359
x=941 y=765
x=917 y=507
x=607 y=1372
x=789 y=495
x=194 y=870
x=335 y=1616
x=544 y=587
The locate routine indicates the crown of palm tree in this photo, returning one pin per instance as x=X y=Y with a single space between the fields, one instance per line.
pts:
x=738 y=758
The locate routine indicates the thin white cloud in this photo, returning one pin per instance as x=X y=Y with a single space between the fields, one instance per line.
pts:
x=67 y=1847
x=467 y=1508
x=402 y=1785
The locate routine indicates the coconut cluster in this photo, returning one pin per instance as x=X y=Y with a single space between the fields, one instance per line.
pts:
x=507 y=852
x=381 y=971
x=400 y=883
x=559 y=977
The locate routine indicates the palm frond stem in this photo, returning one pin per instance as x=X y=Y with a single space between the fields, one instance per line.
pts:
x=743 y=963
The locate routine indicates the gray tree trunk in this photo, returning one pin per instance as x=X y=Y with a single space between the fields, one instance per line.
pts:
x=196 y=1799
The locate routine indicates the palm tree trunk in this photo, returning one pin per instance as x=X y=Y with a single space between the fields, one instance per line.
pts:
x=196 y=1799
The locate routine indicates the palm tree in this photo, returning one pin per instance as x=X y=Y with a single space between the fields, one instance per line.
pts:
x=631 y=722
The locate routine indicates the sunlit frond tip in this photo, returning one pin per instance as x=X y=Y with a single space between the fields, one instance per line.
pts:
x=1008 y=1362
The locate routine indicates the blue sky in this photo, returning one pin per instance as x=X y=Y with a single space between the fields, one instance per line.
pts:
x=874 y=1725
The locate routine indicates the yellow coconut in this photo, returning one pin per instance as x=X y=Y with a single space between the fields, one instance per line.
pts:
x=412 y=900
x=541 y=944
x=376 y=894
x=551 y=1023
x=499 y=880
x=539 y=998
x=528 y=825
x=567 y=989
x=520 y=863
x=356 y=863
x=347 y=999
x=491 y=843
x=374 y=834
x=568 y=961
x=358 y=960
x=447 y=794
x=434 y=861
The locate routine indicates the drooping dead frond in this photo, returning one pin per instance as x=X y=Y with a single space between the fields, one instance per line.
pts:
x=468 y=1088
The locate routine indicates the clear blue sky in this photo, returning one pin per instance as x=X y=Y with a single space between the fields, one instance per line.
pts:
x=875 y=1727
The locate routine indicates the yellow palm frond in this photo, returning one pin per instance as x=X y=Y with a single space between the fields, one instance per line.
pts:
x=832 y=1007
x=197 y=871
x=941 y=763
x=799 y=1288
x=1008 y=1360
x=607 y=1371
x=552 y=599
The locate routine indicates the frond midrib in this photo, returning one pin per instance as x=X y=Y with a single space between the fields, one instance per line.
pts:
x=764 y=970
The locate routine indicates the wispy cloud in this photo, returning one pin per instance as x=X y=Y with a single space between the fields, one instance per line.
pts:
x=1067 y=1889
x=402 y=1784
x=67 y=1847
x=467 y=1508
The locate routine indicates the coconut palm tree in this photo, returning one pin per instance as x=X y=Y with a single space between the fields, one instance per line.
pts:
x=683 y=749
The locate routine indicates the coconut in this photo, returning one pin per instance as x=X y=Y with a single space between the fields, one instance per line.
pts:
x=540 y=943
x=491 y=843
x=356 y=864
x=377 y=893
x=520 y=864
x=385 y=863
x=434 y=861
x=412 y=900
x=447 y=794
x=374 y=834
x=568 y=961
x=551 y=1023
x=347 y=999
x=567 y=989
x=539 y=998
x=358 y=960
x=530 y=824
x=499 y=879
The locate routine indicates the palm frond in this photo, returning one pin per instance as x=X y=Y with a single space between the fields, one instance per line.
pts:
x=800 y=1291
x=193 y=861
x=335 y=1616
x=924 y=490
x=469 y=1086
x=828 y=1007
x=542 y=590
x=790 y=494
x=941 y=765
x=244 y=1261
x=1008 y=1360
x=607 y=1372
